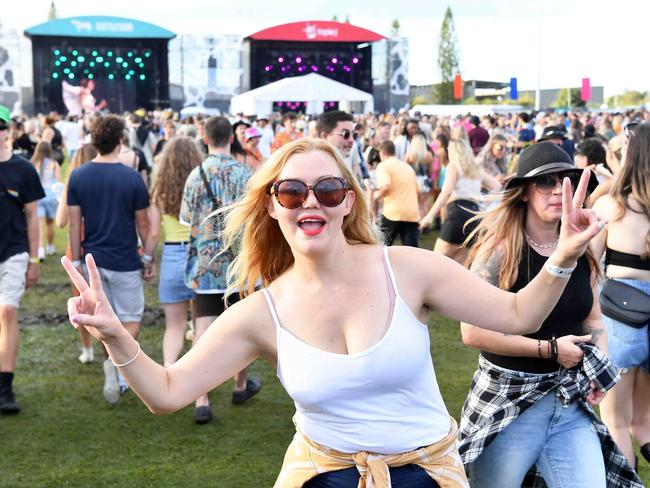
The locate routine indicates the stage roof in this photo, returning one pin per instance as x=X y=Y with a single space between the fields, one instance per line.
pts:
x=99 y=26
x=317 y=31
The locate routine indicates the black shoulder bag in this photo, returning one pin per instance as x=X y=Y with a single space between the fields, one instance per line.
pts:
x=208 y=188
x=625 y=303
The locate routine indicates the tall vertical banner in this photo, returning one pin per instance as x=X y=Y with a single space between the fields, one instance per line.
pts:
x=458 y=87
x=514 y=94
x=585 y=92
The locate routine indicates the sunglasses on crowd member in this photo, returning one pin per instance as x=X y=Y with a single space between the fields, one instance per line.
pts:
x=629 y=128
x=547 y=183
x=500 y=147
x=330 y=191
x=3 y=125
x=345 y=134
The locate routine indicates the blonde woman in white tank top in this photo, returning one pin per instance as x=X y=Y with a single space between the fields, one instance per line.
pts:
x=334 y=300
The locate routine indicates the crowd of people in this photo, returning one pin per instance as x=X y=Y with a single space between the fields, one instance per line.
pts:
x=278 y=235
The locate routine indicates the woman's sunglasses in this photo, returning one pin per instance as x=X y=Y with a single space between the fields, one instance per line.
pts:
x=3 y=126
x=547 y=183
x=329 y=191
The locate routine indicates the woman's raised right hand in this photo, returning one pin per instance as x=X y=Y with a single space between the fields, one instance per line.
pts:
x=91 y=309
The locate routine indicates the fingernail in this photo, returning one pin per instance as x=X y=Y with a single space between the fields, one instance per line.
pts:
x=601 y=225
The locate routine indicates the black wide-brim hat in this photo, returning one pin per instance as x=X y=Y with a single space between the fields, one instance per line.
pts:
x=545 y=158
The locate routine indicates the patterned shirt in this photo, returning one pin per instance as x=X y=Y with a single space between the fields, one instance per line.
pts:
x=285 y=138
x=497 y=398
x=206 y=266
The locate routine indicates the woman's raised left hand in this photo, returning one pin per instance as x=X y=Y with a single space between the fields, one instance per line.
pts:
x=579 y=225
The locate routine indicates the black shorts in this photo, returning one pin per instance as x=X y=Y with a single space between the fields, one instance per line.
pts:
x=458 y=212
x=212 y=304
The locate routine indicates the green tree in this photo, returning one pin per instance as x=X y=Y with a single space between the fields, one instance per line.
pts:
x=562 y=100
x=394 y=28
x=347 y=19
x=448 y=58
x=335 y=18
x=628 y=99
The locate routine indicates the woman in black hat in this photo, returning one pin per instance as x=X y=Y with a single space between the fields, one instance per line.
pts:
x=529 y=405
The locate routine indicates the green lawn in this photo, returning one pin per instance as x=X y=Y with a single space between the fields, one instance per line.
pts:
x=68 y=436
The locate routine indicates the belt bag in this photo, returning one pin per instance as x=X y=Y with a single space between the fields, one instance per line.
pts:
x=625 y=303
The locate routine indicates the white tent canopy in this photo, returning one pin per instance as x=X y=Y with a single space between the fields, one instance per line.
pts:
x=312 y=88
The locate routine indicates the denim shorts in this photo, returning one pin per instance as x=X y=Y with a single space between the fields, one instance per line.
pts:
x=171 y=288
x=627 y=346
x=46 y=207
x=410 y=475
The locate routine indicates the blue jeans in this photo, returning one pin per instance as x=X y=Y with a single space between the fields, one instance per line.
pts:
x=560 y=439
x=409 y=476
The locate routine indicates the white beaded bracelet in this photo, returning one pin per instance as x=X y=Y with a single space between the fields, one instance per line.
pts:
x=137 y=353
x=564 y=273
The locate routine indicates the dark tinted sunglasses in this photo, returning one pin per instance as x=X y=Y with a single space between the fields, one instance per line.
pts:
x=547 y=183
x=500 y=147
x=329 y=191
x=345 y=134
x=629 y=128
x=3 y=125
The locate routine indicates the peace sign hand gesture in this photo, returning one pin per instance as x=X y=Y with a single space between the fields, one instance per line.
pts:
x=579 y=225
x=91 y=308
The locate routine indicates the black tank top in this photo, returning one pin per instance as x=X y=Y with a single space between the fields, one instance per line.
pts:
x=566 y=318
x=57 y=140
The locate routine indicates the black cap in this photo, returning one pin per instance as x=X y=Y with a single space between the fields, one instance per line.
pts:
x=544 y=158
x=552 y=132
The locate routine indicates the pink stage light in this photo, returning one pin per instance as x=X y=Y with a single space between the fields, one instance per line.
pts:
x=355 y=60
x=335 y=60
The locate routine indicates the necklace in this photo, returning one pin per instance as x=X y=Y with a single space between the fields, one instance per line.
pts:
x=542 y=246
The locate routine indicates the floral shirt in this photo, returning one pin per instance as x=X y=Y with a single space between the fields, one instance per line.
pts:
x=205 y=268
x=284 y=138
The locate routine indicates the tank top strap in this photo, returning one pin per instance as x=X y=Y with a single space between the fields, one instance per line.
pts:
x=389 y=269
x=269 y=302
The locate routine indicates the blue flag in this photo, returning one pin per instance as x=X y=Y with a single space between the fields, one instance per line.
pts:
x=514 y=95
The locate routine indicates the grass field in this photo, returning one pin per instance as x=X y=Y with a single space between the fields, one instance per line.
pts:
x=68 y=436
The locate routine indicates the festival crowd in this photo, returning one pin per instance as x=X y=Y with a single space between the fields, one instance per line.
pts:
x=273 y=235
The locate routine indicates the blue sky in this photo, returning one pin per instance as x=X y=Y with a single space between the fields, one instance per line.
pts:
x=603 y=40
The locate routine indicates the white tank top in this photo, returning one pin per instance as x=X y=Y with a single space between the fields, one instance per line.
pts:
x=383 y=400
x=467 y=189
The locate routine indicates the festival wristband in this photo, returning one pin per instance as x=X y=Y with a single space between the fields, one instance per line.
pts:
x=147 y=259
x=558 y=272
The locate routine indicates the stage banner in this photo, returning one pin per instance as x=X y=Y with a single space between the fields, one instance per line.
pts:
x=458 y=87
x=514 y=94
x=585 y=92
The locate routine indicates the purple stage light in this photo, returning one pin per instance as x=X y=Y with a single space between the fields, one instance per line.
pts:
x=283 y=69
x=335 y=60
x=298 y=60
x=267 y=68
x=355 y=60
x=280 y=59
x=314 y=68
x=280 y=104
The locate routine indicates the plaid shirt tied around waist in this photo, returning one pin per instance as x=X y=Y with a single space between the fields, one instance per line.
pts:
x=497 y=397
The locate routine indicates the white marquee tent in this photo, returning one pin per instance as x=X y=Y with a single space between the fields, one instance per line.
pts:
x=312 y=88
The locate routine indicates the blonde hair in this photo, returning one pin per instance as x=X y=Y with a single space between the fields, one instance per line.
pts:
x=263 y=252
x=417 y=151
x=460 y=153
x=501 y=229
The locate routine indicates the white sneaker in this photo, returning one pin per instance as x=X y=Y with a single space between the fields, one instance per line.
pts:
x=41 y=253
x=111 y=385
x=87 y=355
x=50 y=250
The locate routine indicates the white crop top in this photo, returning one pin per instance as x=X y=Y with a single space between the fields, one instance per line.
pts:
x=383 y=400
x=467 y=188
